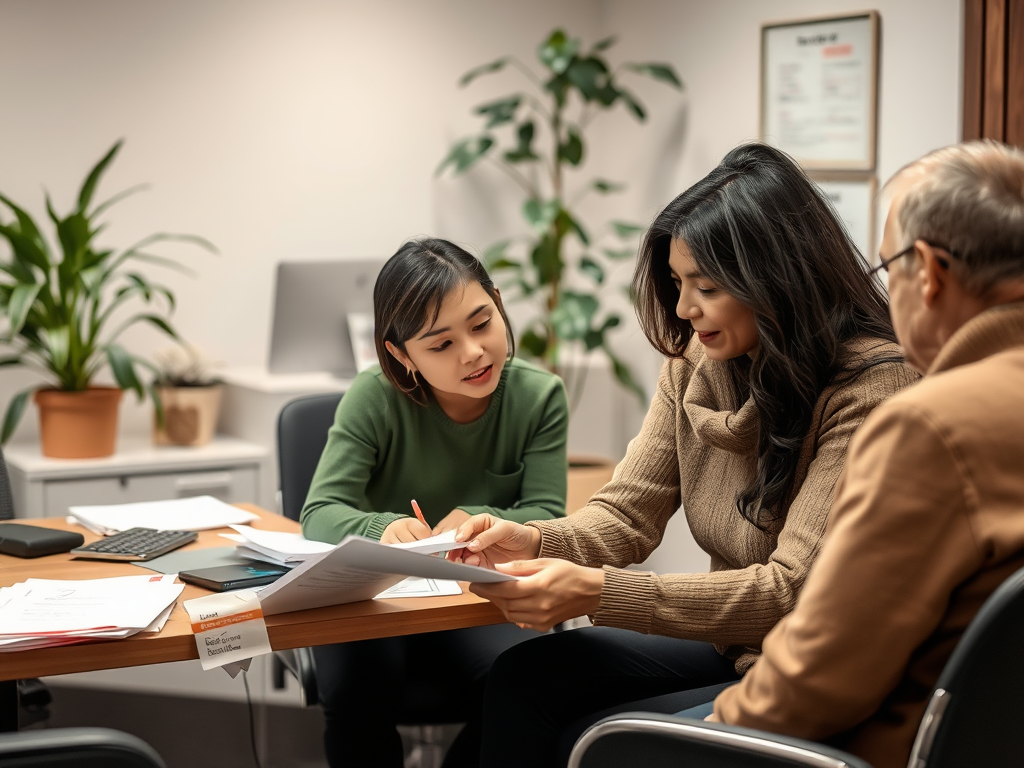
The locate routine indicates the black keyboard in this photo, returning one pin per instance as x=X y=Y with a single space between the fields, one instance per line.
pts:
x=135 y=544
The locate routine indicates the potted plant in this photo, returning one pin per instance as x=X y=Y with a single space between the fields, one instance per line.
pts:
x=534 y=136
x=188 y=395
x=63 y=308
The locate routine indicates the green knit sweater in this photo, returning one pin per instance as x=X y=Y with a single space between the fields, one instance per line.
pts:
x=385 y=450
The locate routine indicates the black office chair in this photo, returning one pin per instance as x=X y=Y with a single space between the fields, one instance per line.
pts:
x=973 y=717
x=302 y=428
x=76 y=748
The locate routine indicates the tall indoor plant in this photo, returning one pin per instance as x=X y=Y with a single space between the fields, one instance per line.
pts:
x=62 y=309
x=534 y=136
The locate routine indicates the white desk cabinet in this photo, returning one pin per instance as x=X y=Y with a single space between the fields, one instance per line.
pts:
x=230 y=469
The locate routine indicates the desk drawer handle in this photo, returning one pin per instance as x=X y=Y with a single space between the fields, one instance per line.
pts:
x=220 y=480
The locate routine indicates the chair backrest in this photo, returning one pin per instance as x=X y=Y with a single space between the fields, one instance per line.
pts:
x=975 y=714
x=302 y=430
x=6 y=497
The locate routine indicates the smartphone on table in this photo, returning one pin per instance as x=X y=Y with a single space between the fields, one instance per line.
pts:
x=223 y=578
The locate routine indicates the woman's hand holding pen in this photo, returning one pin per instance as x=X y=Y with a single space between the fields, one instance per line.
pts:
x=549 y=592
x=403 y=530
x=491 y=540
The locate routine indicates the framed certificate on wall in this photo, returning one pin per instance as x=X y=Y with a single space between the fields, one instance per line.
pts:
x=852 y=196
x=819 y=90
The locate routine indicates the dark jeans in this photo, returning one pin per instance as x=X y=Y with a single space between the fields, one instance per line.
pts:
x=543 y=694
x=368 y=687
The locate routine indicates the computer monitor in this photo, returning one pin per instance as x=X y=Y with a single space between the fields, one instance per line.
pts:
x=311 y=305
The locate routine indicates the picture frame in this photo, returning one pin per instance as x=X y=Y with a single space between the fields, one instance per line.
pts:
x=853 y=196
x=819 y=90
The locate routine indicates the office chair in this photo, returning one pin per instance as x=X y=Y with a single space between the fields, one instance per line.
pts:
x=76 y=748
x=973 y=717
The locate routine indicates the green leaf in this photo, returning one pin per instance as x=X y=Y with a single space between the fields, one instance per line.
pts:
x=57 y=343
x=614 y=255
x=494 y=252
x=590 y=267
x=547 y=260
x=158 y=403
x=523 y=151
x=27 y=252
x=465 y=153
x=533 y=343
x=589 y=75
x=557 y=52
x=483 y=69
x=501 y=264
x=26 y=223
x=566 y=223
x=540 y=215
x=572 y=150
x=625 y=377
x=501 y=111
x=22 y=298
x=604 y=187
x=10 y=360
x=89 y=187
x=123 y=365
x=663 y=72
x=558 y=86
x=571 y=318
x=117 y=198
x=626 y=230
x=634 y=106
x=13 y=415
x=603 y=45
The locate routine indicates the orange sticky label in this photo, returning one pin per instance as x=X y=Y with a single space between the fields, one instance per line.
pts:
x=224 y=621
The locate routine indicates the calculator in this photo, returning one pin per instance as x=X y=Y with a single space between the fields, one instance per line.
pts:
x=135 y=544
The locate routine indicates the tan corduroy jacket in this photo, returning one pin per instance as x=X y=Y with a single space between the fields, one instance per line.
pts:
x=697 y=448
x=929 y=519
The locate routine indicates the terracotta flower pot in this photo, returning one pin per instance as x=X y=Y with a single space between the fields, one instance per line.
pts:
x=190 y=415
x=78 y=425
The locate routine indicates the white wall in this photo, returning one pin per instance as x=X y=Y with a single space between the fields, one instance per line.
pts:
x=312 y=129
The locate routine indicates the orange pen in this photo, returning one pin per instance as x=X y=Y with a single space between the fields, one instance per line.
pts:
x=419 y=513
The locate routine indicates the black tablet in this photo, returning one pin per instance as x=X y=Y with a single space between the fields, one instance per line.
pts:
x=223 y=578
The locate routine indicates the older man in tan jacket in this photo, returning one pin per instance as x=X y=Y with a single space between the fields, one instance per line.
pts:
x=929 y=513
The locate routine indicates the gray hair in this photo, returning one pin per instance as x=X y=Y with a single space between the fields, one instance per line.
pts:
x=969 y=199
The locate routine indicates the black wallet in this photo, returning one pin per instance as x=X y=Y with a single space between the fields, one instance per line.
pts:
x=33 y=541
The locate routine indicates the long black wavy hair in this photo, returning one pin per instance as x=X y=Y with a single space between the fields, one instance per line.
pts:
x=761 y=231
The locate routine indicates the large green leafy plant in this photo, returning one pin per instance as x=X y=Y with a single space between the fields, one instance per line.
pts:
x=61 y=306
x=534 y=136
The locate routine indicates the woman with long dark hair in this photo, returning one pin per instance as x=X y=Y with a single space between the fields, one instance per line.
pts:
x=454 y=420
x=778 y=344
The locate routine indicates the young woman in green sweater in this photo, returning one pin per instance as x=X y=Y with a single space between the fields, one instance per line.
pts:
x=451 y=419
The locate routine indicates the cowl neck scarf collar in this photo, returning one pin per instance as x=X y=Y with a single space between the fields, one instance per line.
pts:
x=709 y=404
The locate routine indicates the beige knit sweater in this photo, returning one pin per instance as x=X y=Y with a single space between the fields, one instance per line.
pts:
x=697 y=448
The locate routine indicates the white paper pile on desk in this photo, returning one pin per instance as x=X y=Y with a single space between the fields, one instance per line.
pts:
x=198 y=513
x=292 y=549
x=39 y=613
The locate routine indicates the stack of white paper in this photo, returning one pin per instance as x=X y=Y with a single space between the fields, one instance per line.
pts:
x=276 y=547
x=39 y=613
x=198 y=513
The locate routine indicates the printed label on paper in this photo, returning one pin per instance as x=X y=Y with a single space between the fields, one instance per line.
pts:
x=229 y=629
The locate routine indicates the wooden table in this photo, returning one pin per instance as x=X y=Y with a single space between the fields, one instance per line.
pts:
x=341 y=623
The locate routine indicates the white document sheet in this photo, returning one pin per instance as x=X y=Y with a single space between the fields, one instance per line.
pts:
x=359 y=569
x=443 y=542
x=285 y=548
x=416 y=587
x=198 y=513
